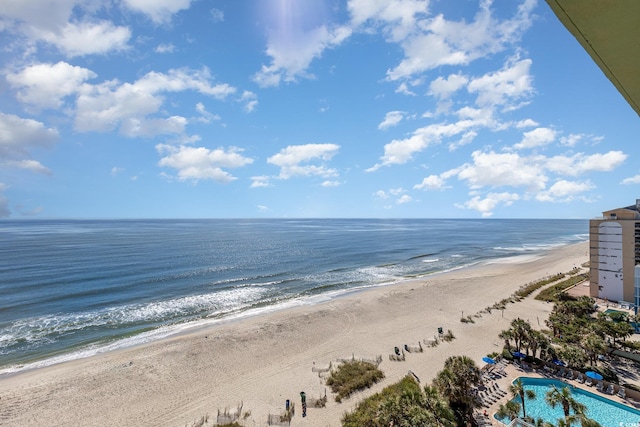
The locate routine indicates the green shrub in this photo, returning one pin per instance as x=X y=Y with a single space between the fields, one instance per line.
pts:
x=353 y=376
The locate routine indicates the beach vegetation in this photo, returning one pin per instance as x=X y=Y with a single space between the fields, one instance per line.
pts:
x=456 y=382
x=448 y=336
x=352 y=376
x=517 y=389
x=402 y=404
x=556 y=292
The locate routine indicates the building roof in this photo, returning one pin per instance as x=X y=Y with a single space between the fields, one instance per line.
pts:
x=610 y=32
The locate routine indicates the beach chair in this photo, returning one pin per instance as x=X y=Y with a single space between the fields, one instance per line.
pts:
x=599 y=386
x=569 y=375
x=580 y=378
x=610 y=389
x=622 y=393
x=561 y=373
x=589 y=382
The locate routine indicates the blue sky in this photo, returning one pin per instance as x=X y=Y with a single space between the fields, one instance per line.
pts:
x=285 y=108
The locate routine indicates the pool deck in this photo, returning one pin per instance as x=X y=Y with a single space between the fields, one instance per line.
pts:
x=502 y=382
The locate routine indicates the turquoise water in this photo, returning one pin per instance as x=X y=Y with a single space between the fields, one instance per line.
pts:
x=605 y=411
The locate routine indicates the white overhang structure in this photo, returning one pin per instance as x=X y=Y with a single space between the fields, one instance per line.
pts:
x=609 y=30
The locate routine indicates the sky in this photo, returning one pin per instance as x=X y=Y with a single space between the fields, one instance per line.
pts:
x=306 y=109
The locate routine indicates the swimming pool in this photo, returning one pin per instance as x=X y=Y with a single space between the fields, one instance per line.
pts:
x=605 y=411
x=635 y=325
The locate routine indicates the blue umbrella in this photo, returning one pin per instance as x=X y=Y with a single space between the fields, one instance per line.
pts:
x=488 y=360
x=518 y=354
x=559 y=362
x=594 y=375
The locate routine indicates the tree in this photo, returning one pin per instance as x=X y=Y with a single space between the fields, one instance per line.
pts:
x=563 y=397
x=456 y=381
x=509 y=410
x=593 y=345
x=517 y=390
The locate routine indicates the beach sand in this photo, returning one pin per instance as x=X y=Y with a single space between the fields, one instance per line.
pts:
x=264 y=360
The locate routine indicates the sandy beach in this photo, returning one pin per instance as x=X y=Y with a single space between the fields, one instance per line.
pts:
x=264 y=360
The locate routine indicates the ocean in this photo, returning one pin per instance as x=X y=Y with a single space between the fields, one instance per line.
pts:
x=74 y=288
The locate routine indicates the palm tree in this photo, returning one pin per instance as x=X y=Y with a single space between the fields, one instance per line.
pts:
x=509 y=410
x=517 y=390
x=593 y=345
x=563 y=397
x=438 y=406
x=456 y=381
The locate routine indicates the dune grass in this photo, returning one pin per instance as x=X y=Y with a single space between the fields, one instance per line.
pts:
x=353 y=376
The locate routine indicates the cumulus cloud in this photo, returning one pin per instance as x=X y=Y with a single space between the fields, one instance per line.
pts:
x=581 y=163
x=165 y=48
x=111 y=105
x=392 y=118
x=511 y=83
x=564 y=191
x=298 y=160
x=432 y=41
x=488 y=204
x=159 y=11
x=405 y=198
x=250 y=101
x=46 y=85
x=70 y=25
x=200 y=163
x=260 y=181
x=18 y=137
x=432 y=183
x=631 y=180
x=502 y=169
x=293 y=51
x=443 y=88
x=538 y=137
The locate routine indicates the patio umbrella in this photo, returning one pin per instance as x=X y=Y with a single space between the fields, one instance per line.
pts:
x=518 y=354
x=488 y=360
x=559 y=362
x=594 y=375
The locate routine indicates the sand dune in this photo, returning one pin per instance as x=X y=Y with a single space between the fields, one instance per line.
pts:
x=262 y=361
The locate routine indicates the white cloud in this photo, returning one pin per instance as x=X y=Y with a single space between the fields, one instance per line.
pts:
x=331 y=184
x=88 y=38
x=250 y=101
x=165 y=48
x=526 y=123
x=116 y=170
x=564 y=191
x=631 y=180
x=46 y=85
x=581 y=163
x=404 y=199
x=398 y=17
x=260 y=181
x=432 y=183
x=205 y=116
x=404 y=89
x=200 y=163
x=293 y=160
x=70 y=25
x=392 y=118
x=217 y=15
x=536 y=138
x=432 y=42
x=510 y=83
x=401 y=151
x=293 y=49
x=443 y=88
x=502 y=169
x=112 y=105
x=381 y=194
x=487 y=205
x=18 y=137
x=571 y=140
x=31 y=166
x=159 y=11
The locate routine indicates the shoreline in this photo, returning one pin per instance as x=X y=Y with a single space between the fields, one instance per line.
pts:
x=263 y=360
x=168 y=331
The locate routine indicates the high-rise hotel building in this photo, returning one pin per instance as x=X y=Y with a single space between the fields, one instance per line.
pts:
x=615 y=255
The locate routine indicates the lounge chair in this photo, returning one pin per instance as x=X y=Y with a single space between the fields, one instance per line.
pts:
x=560 y=373
x=569 y=375
x=611 y=389
x=580 y=378
x=622 y=392
x=599 y=386
x=589 y=382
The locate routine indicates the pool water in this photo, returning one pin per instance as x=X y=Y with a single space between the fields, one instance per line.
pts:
x=605 y=411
